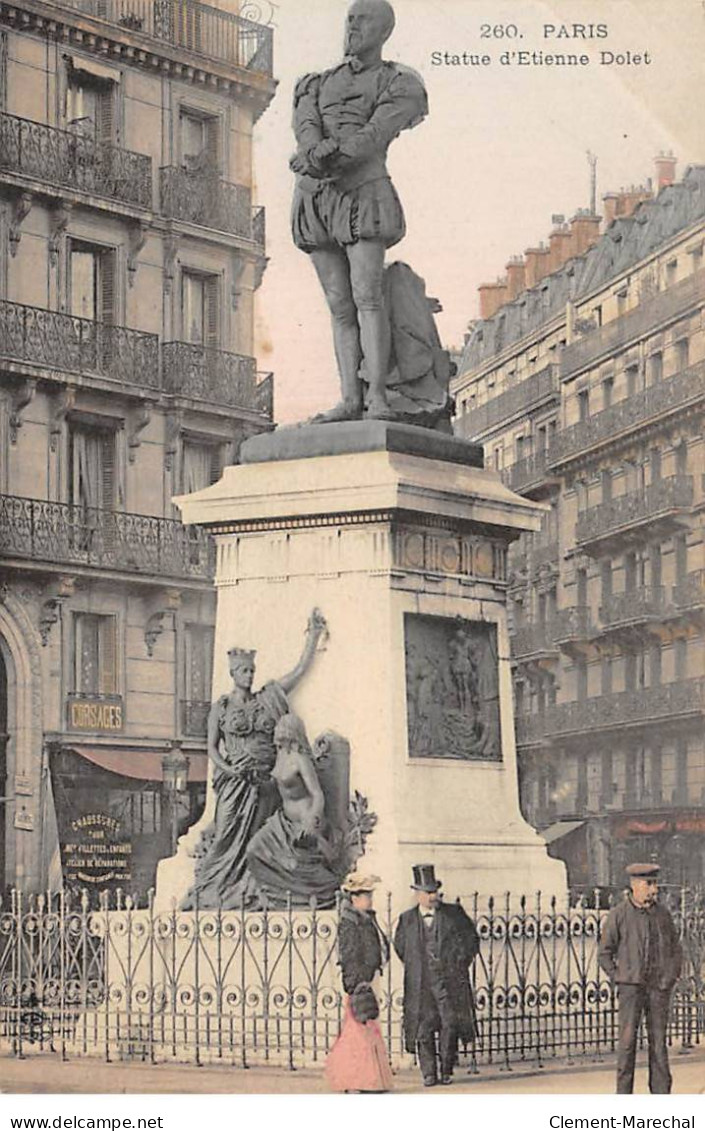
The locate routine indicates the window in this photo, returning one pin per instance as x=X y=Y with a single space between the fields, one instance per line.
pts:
x=607 y=391
x=91 y=472
x=606 y=580
x=682 y=354
x=632 y=373
x=583 y=405
x=201 y=465
x=581 y=679
x=656 y=367
x=606 y=675
x=199 y=309
x=3 y=76
x=199 y=140
x=138 y=810
x=655 y=464
x=655 y=664
x=198 y=661
x=90 y=106
x=606 y=480
x=95 y=654
x=92 y=282
x=671 y=271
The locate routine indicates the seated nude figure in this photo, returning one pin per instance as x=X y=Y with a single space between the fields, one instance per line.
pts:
x=346 y=211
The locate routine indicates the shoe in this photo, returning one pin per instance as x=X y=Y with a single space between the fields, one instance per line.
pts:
x=344 y=410
x=446 y=1079
x=429 y=1081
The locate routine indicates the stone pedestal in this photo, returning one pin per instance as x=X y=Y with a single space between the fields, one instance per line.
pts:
x=393 y=532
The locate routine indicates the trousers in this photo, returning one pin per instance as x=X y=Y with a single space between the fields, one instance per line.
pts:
x=437 y=1016
x=635 y=1000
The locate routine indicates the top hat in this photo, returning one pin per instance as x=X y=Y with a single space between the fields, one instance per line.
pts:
x=356 y=883
x=643 y=871
x=425 y=878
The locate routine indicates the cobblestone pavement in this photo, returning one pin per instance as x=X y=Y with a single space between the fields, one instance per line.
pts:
x=47 y=1074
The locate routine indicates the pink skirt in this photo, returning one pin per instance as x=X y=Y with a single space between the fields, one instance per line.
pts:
x=358 y=1060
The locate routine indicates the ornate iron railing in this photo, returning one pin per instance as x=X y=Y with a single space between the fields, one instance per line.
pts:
x=192 y=26
x=530 y=729
x=527 y=472
x=259 y=226
x=633 y=606
x=63 y=533
x=73 y=160
x=247 y=988
x=264 y=394
x=202 y=197
x=664 y=496
x=210 y=375
x=520 y=398
x=572 y=624
x=644 y=320
x=675 y=392
x=194 y=717
x=641 y=707
x=530 y=639
x=66 y=344
x=690 y=593
x=544 y=553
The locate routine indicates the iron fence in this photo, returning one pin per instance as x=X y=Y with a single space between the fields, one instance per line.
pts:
x=211 y=375
x=202 y=197
x=245 y=988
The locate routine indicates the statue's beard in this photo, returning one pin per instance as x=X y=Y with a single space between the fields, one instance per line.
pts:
x=353 y=42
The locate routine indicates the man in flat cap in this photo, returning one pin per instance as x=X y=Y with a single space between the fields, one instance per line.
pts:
x=437 y=943
x=641 y=953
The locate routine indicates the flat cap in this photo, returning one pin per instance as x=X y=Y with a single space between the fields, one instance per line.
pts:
x=643 y=870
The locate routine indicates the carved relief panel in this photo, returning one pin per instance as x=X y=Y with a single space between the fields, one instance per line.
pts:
x=452 y=688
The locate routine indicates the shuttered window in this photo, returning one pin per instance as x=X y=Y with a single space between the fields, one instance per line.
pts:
x=199 y=141
x=91 y=467
x=91 y=107
x=200 y=314
x=92 y=283
x=95 y=654
x=201 y=465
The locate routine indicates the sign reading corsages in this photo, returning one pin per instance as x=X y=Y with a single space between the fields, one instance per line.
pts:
x=102 y=714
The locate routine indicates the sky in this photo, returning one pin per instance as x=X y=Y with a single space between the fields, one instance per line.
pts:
x=504 y=148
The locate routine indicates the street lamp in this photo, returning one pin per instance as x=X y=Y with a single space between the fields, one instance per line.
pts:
x=175 y=766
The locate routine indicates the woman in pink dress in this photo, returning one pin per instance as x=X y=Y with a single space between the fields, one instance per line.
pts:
x=358 y=1060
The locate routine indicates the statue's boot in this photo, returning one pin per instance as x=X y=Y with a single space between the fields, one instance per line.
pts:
x=378 y=409
x=344 y=410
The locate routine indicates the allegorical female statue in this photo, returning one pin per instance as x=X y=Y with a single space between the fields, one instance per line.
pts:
x=241 y=728
x=293 y=854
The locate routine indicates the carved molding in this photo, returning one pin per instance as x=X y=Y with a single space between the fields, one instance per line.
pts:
x=261 y=264
x=173 y=427
x=137 y=240
x=21 y=208
x=239 y=265
x=160 y=605
x=138 y=418
x=61 y=404
x=50 y=610
x=21 y=395
x=467 y=555
x=171 y=248
x=60 y=217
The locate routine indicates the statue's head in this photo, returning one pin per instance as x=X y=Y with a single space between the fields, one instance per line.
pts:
x=290 y=733
x=241 y=662
x=368 y=24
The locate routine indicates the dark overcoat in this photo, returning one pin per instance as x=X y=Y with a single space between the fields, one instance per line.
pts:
x=362 y=947
x=458 y=945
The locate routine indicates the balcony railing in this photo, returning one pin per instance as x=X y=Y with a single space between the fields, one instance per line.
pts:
x=533 y=639
x=628 y=414
x=202 y=197
x=211 y=375
x=641 y=707
x=645 y=319
x=520 y=398
x=194 y=27
x=259 y=226
x=76 y=345
x=633 y=606
x=572 y=624
x=264 y=395
x=527 y=472
x=194 y=717
x=72 y=160
x=530 y=729
x=86 y=536
x=545 y=553
x=636 y=507
x=690 y=593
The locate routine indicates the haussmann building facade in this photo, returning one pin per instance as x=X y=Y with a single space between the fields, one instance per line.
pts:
x=130 y=251
x=584 y=379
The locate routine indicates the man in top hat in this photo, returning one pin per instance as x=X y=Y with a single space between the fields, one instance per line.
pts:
x=437 y=942
x=641 y=953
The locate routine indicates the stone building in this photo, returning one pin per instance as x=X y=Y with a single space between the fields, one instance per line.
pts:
x=130 y=251
x=584 y=378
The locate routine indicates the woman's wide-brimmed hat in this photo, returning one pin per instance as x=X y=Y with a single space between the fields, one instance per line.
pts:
x=357 y=882
x=425 y=878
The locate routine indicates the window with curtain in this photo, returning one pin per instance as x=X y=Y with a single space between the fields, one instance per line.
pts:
x=198 y=140
x=95 y=654
x=90 y=106
x=200 y=465
x=198 y=658
x=199 y=309
x=92 y=282
x=91 y=467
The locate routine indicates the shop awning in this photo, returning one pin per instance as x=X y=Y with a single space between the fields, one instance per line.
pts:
x=143 y=764
x=560 y=829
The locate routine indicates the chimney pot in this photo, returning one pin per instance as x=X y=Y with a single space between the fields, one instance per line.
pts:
x=665 y=169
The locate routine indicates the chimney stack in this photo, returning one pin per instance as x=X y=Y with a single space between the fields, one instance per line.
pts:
x=516 y=277
x=536 y=264
x=559 y=244
x=621 y=204
x=492 y=296
x=665 y=169
x=584 y=231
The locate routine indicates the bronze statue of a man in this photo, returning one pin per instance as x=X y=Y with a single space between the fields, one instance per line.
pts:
x=346 y=211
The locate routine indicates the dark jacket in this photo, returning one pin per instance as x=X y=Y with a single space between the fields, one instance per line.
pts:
x=362 y=947
x=458 y=944
x=625 y=949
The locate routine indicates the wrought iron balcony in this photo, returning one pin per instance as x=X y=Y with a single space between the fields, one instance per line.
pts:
x=533 y=640
x=660 y=500
x=202 y=197
x=194 y=717
x=519 y=399
x=642 y=707
x=643 y=320
x=259 y=226
x=76 y=345
x=690 y=593
x=264 y=395
x=65 y=534
x=530 y=729
x=634 y=607
x=213 y=376
x=680 y=391
x=196 y=28
x=572 y=625
x=528 y=473
x=544 y=554
x=72 y=160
